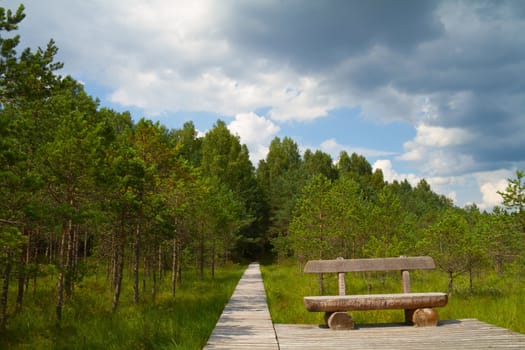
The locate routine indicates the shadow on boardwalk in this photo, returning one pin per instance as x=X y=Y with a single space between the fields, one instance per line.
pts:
x=246 y=324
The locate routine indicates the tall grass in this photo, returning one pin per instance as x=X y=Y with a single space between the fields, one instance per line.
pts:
x=494 y=299
x=183 y=322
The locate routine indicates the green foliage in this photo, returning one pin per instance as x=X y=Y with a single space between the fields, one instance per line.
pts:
x=386 y=233
x=280 y=177
x=514 y=196
x=225 y=160
x=347 y=206
x=188 y=144
x=10 y=241
x=319 y=163
x=454 y=245
x=312 y=229
x=502 y=239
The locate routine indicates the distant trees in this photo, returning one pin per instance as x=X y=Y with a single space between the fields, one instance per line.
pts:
x=226 y=161
x=451 y=243
x=514 y=196
x=503 y=239
x=312 y=228
x=280 y=178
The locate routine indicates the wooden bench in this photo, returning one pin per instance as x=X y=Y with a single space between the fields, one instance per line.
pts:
x=417 y=306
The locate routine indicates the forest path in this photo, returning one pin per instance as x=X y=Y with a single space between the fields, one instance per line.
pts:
x=245 y=322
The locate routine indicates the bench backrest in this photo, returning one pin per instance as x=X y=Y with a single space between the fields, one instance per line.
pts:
x=378 y=264
x=341 y=266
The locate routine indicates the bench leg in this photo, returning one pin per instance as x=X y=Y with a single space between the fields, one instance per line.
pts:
x=339 y=320
x=408 y=315
x=425 y=317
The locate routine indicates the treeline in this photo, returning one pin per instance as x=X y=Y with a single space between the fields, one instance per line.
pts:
x=318 y=210
x=82 y=186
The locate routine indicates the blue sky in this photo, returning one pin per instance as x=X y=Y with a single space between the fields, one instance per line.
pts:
x=422 y=89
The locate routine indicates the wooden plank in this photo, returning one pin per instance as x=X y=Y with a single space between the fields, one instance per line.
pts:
x=463 y=334
x=377 y=264
x=245 y=322
x=374 y=302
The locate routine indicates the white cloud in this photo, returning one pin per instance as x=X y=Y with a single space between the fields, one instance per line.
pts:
x=452 y=196
x=302 y=100
x=256 y=132
x=332 y=147
x=441 y=185
x=433 y=150
x=390 y=174
x=485 y=184
x=490 y=182
x=490 y=194
x=431 y=139
x=435 y=136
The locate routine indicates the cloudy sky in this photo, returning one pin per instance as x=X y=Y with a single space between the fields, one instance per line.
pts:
x=423 y=89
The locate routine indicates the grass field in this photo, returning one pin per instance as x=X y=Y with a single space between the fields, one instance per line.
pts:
x=183 y=322
x=494 y=299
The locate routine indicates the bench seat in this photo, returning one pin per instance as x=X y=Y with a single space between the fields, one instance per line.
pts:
x=408 y=301
x=418 y=307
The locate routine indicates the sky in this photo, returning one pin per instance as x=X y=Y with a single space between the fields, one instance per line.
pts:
x=430 y=90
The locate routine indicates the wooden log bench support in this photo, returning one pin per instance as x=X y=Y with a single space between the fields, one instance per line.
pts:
x=418 y=306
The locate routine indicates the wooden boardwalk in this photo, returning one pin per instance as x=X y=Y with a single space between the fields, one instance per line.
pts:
x=246 y=324
x=457 y=334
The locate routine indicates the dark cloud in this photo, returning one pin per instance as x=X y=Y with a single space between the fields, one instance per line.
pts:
x=317 y=34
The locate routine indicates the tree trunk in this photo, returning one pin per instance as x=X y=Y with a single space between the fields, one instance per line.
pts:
x=499 y=265
x=71 y=261
x=154 y=279
x=174 y=268
x=118 y=282
x=22 y=274
x=119 y=264
x=67 y=268
x=21 y=289
x=85 y=245
x=470 y=279
x=213 y=260
x=179 y=258
x=76 y=249
x=201 y=259
x=62 y=268
x=114 y=260
x=136 y=262
x=450 y=282
x=5 y=292
x=144 y=272
x=35 y=260
x=159 y=263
